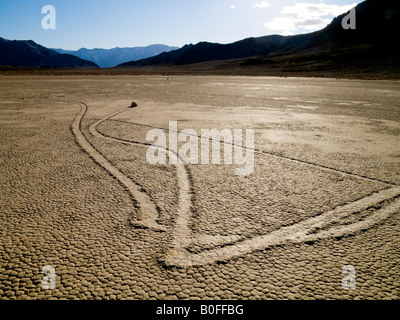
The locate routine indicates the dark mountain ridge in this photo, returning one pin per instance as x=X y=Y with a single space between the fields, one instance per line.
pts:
x=375 y=38
x=206 y=51
x=27 y=53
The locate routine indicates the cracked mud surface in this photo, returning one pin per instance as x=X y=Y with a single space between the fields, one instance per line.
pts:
x=324 y=192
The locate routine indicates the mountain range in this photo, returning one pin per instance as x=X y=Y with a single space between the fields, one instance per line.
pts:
x=30 y=54
x=107 y=58
x=373 y=48
x=375 y=40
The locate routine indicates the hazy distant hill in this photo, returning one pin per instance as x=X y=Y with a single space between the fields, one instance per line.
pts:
x=107 y=58
x=376 y=40
x=30 y=54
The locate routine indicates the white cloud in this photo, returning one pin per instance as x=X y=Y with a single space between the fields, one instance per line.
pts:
x=281 y=23
x=233 y=7
x=262 y=4
x=287 y=33
x=316 y=10
x=306 y=17
x=289 y=24
x=312 y=24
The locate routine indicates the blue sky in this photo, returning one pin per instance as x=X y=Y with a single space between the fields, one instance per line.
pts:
x=128 y=23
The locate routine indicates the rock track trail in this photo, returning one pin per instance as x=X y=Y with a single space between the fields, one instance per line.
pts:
x=147 y=207
x=342 y=220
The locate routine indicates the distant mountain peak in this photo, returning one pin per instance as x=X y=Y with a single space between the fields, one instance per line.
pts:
x=107 y=58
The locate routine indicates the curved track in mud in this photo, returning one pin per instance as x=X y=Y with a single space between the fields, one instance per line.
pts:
x=148 y=209
x=340 y=221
